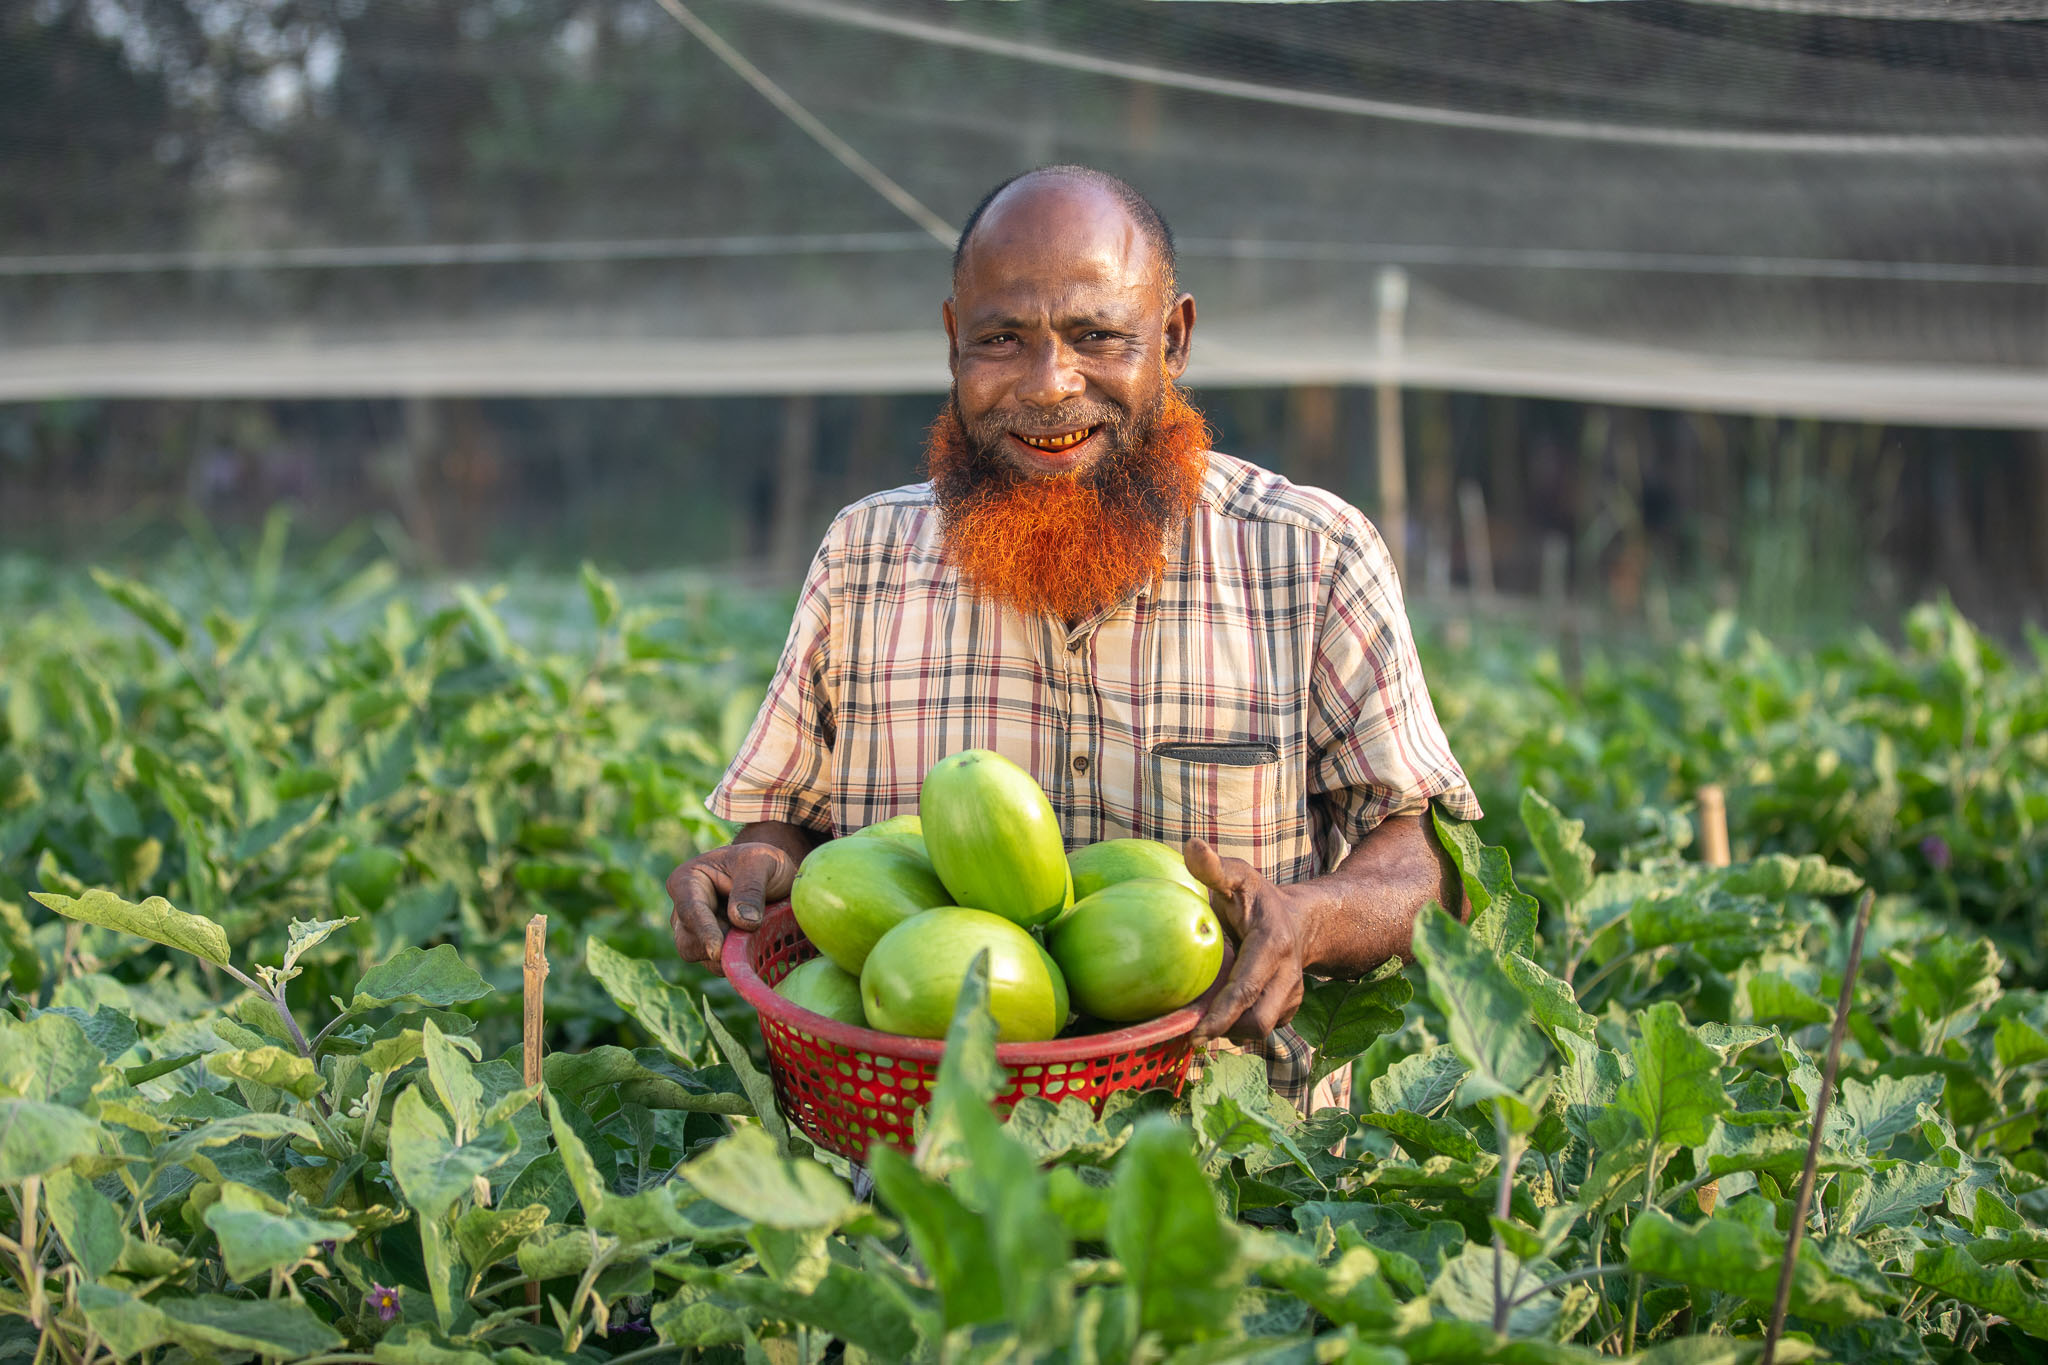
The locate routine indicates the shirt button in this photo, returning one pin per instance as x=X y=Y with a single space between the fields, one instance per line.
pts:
x=1080 y=763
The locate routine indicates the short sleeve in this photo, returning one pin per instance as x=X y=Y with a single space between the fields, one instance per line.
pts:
x=783 y=770
x=1375 y=746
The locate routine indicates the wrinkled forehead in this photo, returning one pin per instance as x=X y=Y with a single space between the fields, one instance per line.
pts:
x=1057 y=245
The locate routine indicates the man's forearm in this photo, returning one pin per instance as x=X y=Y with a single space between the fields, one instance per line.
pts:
x=1363 y=911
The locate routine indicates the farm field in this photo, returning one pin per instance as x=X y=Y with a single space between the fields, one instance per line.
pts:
x=280 y=1111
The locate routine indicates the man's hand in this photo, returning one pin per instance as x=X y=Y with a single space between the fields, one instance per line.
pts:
x=729 y=887
x=1270 y=925
x=1344 y=923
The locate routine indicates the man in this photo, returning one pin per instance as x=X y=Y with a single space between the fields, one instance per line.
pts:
x=1176 y=644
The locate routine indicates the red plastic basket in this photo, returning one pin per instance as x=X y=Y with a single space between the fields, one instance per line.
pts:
x=850 y=1087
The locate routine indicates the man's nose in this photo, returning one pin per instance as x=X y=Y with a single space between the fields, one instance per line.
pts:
x=1050 y=377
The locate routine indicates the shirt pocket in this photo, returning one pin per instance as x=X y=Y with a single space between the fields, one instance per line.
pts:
x=1228 y=792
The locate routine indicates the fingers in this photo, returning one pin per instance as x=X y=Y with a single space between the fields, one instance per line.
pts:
x=1228 y=881
x=1249 y=981
x=760 y=873
x=694 y=890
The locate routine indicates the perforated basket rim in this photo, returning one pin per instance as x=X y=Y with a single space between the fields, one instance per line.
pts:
x=737 y=959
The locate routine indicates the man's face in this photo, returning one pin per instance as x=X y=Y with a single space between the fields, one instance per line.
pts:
x=1062 y=336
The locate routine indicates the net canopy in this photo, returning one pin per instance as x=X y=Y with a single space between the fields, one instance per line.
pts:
x=1827 y=207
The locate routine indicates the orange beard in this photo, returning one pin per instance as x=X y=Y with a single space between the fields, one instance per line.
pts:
x=1067 y=546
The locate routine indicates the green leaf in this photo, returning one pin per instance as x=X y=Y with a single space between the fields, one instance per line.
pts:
x=1676 y=1091
x=271 y=1066
x=1947 y=975
x=415 y=1343
x=87 y=1221
x=857 y=1307
x=591 y=1188
x=1733 y=1256
x=1486 y=1014
x=146 y=605
x=304 y=935
x=1550 y=1001
x=2018 y=1043
x=189 y=1149
x=419 y=976
x=1349 y=1290
x=1561 y=844
x=291 y=820
x=603 y=595
x=951 y=1241
x=1503 y=915
x=485 y=623
x=258 y=1234
x=1775 y=999
x=1465 y=1289
x=2006 y=1290
x=1340 y=1019
x=432 y=1171
x=668 y=1013
x=1425 y=1137
x=1779 y=1151
x=48 y=1058
x=38 y=1138
x=127 y=1324
x=1420 y=1083
x=450 y=1070
x=1234 y=1110
x=1182 y=1269
x=154 y=919
x=1875 y=1112
x=268 y=1327
x=759 y=1090
x=488 y=1236
x=747 y=1174
x=1874 y=1201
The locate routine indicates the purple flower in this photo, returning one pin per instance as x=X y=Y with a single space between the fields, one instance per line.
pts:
x=384 y=1299
x=633 y=1325
x=1935 y=850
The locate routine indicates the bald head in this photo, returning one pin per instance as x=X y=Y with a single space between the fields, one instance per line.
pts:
x=1071 y=204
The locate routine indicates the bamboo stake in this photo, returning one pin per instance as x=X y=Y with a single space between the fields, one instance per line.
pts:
x=1392 y=460
x=1713 y=826
x=1804 y=1204
x=1714 y=853
x=536 y=979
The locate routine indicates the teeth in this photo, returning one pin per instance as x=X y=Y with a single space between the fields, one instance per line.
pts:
x=1058 y=443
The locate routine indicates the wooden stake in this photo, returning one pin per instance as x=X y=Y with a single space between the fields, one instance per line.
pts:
x=536 y=978
x=1714 y=853
x=1804 y=1204
x=1393 y=467
x=1713 y=826
x=536 y=974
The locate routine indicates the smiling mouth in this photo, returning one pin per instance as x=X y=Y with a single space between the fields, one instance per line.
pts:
x=1053 y=445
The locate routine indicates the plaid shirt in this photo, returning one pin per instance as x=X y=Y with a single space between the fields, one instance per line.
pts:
x=1265 y=694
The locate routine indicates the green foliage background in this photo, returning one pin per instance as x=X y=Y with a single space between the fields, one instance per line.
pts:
x=268 y=841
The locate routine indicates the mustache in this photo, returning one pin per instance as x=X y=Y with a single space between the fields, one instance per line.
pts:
x=985 y=434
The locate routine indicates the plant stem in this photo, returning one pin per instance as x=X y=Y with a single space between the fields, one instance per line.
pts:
x=512 y=1282
x=1503 y=1202
x=644 y=1352
x=1572 y=1277
x=1635 y=1289
x=1804 y=1203
x=1613 y=965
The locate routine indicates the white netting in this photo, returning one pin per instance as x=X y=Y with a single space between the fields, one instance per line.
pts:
x=1829 y=206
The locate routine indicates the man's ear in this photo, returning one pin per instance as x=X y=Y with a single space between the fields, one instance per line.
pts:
x=952 y=337
x=1180 y=335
